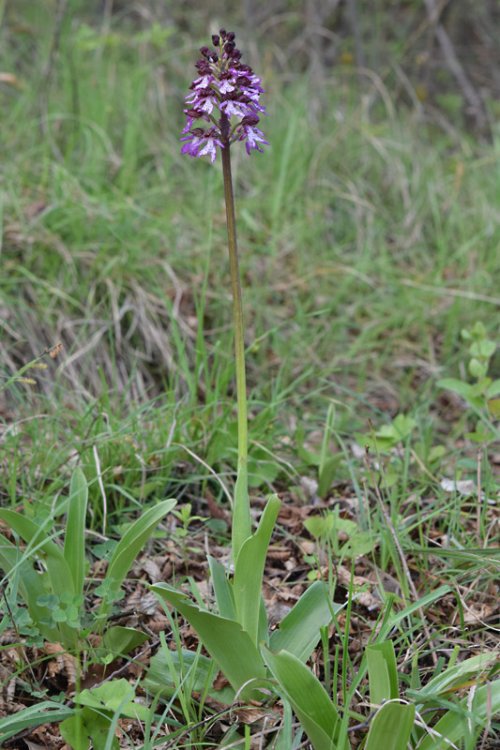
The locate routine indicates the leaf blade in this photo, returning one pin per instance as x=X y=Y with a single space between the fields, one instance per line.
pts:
x=74 y=540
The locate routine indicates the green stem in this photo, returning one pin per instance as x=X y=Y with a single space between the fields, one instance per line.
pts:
x=242 y=526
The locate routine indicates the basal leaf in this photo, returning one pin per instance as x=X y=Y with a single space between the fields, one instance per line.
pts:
x=249 y=570
x=30 y=583
x=74 y=541
x=131 y=544
x=222 y=589
x=391 y=727
x=36 y=538
x=226 y=642
x=382 y=672
x=309 y=699
x=299 y=631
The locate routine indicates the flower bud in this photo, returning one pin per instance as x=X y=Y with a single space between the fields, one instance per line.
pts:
x=215 y=40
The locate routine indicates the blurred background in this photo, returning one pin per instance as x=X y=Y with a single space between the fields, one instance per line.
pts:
x=368 y=229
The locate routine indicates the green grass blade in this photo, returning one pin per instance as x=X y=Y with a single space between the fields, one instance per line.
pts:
x=226 y=642
x=249 y=570
x=391 y=727
x=74 y=540
x=42 y=713
x=131 y=544
x=452 y=727
x=309 y=699
x=299 y=631
x=222 y=589
x=453 y=676
x=382 y=672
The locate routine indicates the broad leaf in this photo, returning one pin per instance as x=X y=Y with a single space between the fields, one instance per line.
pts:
x=299 y=631
x=131 y=544
x=116 y=696
x=119 y=640
x=31 y=584
x=74 y=541
x=309 y=699
x=391 y=727
x=226 y=642
x=35 y=537
x=167 y=670
x=382 y=672
x=249 y=570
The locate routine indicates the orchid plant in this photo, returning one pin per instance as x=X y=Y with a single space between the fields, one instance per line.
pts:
x=223 y=108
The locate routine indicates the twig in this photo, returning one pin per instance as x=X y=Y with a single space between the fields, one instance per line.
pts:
x=456 y=69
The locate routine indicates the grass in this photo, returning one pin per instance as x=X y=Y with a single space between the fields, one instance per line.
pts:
x=367 y=240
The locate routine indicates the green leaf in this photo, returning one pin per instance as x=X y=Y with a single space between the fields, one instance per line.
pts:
x=226 y=642
x=457 y=386
x=327 y=473
x=59 y=573
x=477 y=368
x=249 y=570
x=167 y=670
x=116 y=697
x=241 y=521
x=321 y=527
x=493 y=389
x=299 y=632
x=222 y=589
x=31 y=584
x=76 y=730
x=119 y=640
x=130 y=545
x=42 y=713
x=391 y=727
x=74 y=541
x=309 y=699
x=452 y=727
x=360 y=543
x=382 y=673
x=88 y=725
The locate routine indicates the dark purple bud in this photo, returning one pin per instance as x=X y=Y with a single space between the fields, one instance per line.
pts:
x=250 y=120
x=230 y=36
x=205 y=52
x=215 y=40
x=194 y=113
x=222 y=32
x=215 y=58
x=228 y=47
x=236 y=54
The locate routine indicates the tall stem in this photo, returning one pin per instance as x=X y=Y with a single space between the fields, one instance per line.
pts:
x=241 y=528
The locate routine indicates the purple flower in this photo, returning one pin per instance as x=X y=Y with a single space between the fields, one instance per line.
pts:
x=225 y=95
x=201 y=142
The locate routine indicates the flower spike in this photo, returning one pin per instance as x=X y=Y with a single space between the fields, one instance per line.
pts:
x=225 y=95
